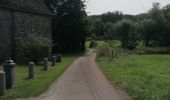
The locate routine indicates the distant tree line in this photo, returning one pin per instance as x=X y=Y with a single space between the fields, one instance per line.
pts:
x=151 y=28
x=68 y=25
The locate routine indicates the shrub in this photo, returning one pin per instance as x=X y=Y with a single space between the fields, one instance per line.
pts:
x=93 y=44
x=34 y=47
x=107 y=51
x=126 y=31
x=153 y=50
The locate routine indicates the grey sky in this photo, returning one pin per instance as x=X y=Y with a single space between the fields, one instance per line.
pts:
x=126 y=6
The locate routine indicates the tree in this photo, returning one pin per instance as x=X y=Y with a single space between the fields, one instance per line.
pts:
x=108 y=31
x=69 y=25
x=112 y=17
x=166 y=11
x=148 y=31
x=159 y=23
x=95 y=27
x=98 y=27
x=152 y=28
x=126 y=32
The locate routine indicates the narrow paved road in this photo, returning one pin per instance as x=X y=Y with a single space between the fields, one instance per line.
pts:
x=83 y=80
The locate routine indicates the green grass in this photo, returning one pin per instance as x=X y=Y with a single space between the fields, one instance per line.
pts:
x=43 y=79
x=145 y=77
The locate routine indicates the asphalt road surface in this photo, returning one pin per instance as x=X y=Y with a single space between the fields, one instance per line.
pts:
x=83 y=80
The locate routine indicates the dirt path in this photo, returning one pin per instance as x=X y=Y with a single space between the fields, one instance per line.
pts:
x=82 y=81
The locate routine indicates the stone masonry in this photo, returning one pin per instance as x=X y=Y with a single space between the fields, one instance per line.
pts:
x=5 y=34
x=18 y=18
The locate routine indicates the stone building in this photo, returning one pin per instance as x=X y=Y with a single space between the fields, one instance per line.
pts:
x=19 y=18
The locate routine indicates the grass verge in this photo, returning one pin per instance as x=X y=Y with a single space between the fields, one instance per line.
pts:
x=145 y=77
x=43 y=79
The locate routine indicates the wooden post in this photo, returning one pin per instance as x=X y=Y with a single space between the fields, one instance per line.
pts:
x=2 y=83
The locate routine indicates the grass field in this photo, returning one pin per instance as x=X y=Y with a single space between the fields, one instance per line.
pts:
x=145 y=77
x=43 y=79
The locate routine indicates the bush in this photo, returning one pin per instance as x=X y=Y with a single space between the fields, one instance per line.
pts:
x=126 y=31
x=153 y=50
x=107 y=51
x=93 y=44
x=35 y=47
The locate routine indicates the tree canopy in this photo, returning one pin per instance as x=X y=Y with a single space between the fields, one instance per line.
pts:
x=152 y=27
x=69 y=25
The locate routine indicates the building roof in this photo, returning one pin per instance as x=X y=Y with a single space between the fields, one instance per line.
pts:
x=32 y=6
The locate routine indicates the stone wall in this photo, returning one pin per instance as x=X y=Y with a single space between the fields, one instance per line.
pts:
x=5 y=35
x=25 y=23
x=36 y=6
x=30 y=24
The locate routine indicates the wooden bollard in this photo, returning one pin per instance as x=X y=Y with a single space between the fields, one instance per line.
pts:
x=53 y=60
x=2 y=83
x=31 y=70
x=45 y=64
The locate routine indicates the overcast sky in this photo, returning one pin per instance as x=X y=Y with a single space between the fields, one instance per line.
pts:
x=134 y=7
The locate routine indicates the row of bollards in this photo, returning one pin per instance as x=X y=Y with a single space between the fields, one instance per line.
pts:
x=7 y=77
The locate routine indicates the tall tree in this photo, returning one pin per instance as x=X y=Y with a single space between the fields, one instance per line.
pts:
x=166 y=11
x=112 y=16
x=125 y=31
x=159 y=20
x=69 y=25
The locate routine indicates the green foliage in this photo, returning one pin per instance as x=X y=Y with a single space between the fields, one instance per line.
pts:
x=93 y=44
x=109 y=49
x=93 y=36
x=153 y=50
x=126 y=32
x=151 y=27
x=148 y=30
x=109 y=52
x=104 y=51
x=35 y=47
x=69 y=25
x=145 y=77
x=112 y=17
x=114 y=43
x=96 y=27
x=108 y=31
x=159 y=24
